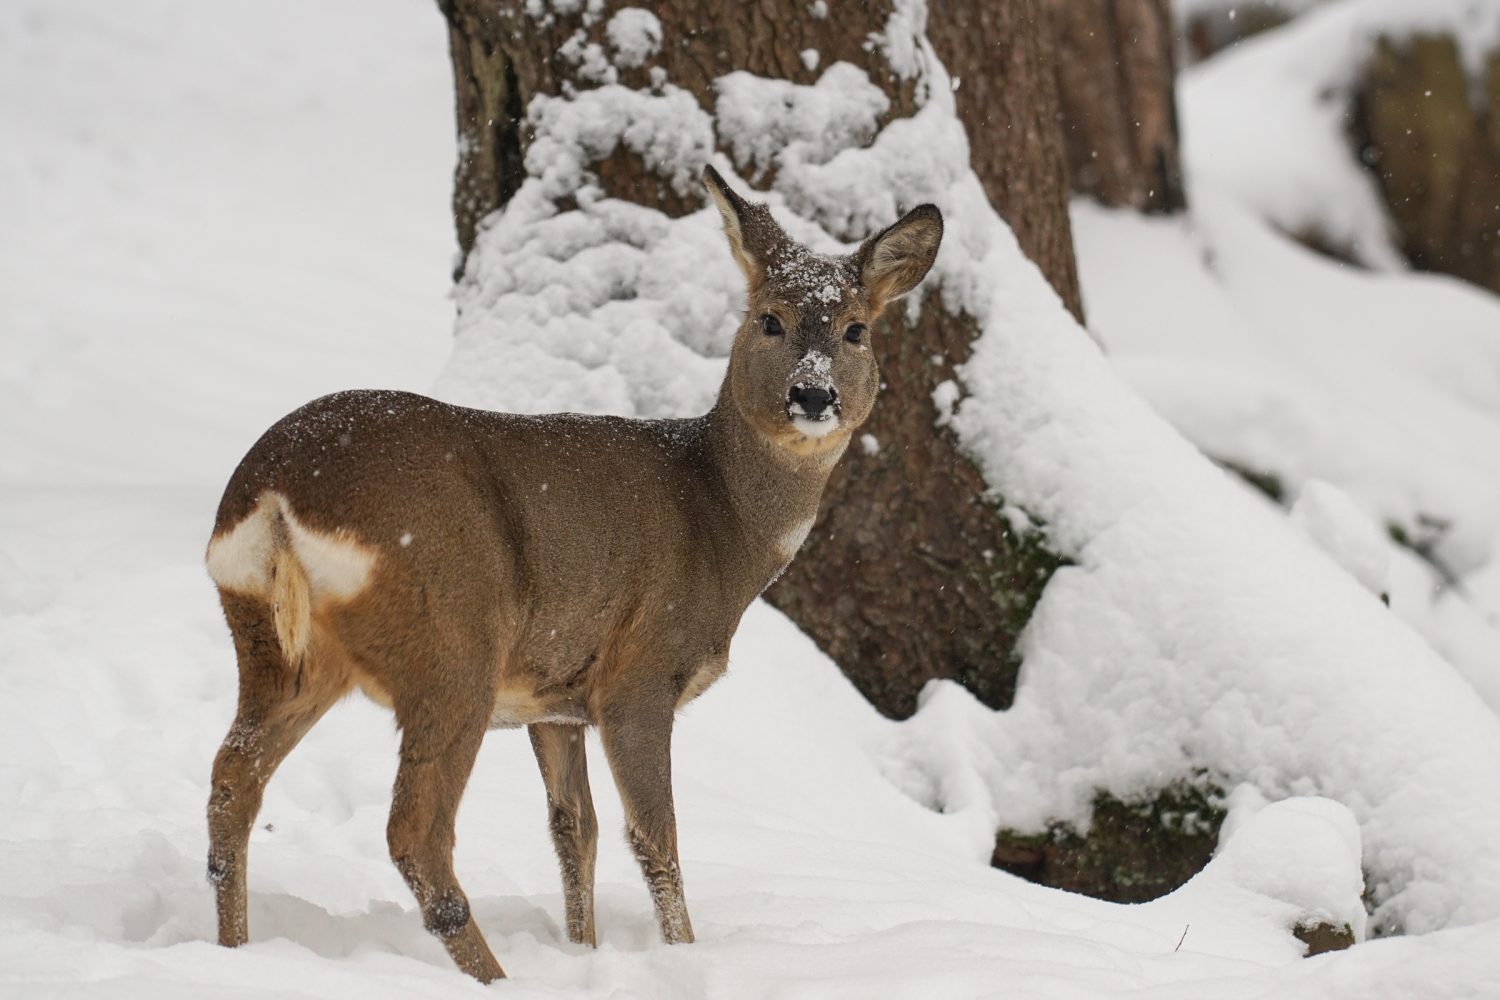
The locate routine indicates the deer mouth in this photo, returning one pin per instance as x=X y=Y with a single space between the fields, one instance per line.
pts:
x=813 y=410
x=816 y=427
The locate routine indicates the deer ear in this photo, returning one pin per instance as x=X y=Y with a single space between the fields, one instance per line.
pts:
x=894 y=260
x=739 y=221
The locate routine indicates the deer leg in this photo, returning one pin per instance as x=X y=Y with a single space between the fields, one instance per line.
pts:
x=638 y=742
x=276 y=709
x=575 y=831
x=437 y=754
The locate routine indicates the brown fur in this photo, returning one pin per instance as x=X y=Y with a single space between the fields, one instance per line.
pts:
x=473 y=569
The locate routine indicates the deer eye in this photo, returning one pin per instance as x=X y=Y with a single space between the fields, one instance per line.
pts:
x=771 y=325
x=855 y=333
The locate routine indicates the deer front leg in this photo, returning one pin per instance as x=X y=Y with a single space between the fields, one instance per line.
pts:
x=575 y=831
x=637 y=737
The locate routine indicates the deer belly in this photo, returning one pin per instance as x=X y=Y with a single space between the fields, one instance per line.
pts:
x=712 y=669
x=517 y=706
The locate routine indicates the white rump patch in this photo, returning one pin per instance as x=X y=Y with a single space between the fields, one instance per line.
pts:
x=240 y=559
x=337 y=564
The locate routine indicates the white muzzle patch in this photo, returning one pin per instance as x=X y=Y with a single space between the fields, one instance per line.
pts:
x=820 y=427
x=814 y=370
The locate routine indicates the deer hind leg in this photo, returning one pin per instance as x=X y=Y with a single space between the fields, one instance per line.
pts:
x=437 y=753
x=575 y=830
x=278 y=704
x=637 y=739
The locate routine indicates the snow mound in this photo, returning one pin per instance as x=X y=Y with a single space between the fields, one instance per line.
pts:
x=1298 y=369
x=1303 y=852
x=1337 y=525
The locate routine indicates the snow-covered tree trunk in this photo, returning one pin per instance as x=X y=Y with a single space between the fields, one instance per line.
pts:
x=1117 y=69
x=911 y=573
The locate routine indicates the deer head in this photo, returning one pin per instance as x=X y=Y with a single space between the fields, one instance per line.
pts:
x=802 y=370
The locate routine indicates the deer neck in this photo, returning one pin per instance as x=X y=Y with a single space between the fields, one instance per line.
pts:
x=773 y=489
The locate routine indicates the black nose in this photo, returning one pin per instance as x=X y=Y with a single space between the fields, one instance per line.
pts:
x=811 y=400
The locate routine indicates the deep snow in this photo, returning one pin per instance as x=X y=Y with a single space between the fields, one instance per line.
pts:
x=197 y=251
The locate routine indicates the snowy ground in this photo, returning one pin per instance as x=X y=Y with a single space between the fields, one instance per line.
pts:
x=222 y=215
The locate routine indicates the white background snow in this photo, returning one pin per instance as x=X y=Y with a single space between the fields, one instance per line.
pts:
x=212 y=214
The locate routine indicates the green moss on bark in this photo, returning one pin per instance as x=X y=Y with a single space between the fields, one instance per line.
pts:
x=1013 y=577
x=1134 y=850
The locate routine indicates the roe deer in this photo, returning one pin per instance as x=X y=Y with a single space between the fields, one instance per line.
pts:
x=475 y=570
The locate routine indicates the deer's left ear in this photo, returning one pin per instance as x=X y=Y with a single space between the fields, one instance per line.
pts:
x=893 y=261
x=738 y=216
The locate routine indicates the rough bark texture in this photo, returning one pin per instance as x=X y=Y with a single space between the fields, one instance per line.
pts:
x=1116 y=69
x=1004 y=60
x=1432 y=136
x=910 y=574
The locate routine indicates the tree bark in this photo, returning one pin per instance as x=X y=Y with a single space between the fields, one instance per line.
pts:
x=1435 y=151
x=911 y=573
x=1004 y=60
x=1116 y=72
x=1214 y=29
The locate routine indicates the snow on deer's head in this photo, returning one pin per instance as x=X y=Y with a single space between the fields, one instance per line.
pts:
x=802 y=370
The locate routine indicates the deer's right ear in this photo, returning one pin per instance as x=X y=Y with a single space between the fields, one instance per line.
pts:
x=735 y=212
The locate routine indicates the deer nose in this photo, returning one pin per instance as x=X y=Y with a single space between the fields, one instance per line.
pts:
x=811 y=400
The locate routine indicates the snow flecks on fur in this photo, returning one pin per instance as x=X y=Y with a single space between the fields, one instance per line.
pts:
x=814 y=370
x=809 y=278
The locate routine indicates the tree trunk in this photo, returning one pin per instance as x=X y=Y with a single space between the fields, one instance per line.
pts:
x=1436 y=152
x=911 y=573
x=1116 y=72
x=1004 y=60
x=1206 y=31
